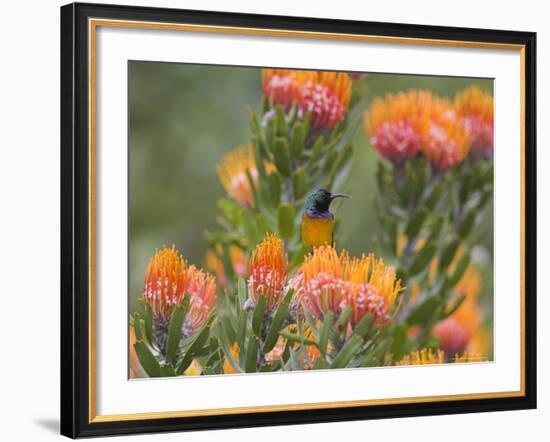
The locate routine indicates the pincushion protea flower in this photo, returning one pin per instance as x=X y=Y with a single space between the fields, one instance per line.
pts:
x=227 y=367
x=326 y=95
x=331 y=282
x=457 y=331
x=168 y=279
x=469 y=357
x=267 y=271
x=283 y=86
x=424 y=356
x=475 y=108
x=445 y=139
x=233 y=173
x=394 y=124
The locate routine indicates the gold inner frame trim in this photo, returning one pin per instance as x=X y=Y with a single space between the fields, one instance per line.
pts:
x=93 y=24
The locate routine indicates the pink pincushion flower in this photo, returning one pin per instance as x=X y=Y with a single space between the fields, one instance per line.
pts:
x=267 y=272
x=454 y=336
x=168 y=279
x=397 y=140
x=331 y=282
x=393 y=124
x=475 y=108
x=326 y=95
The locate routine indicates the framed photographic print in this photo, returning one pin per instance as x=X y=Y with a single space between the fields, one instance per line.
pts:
x=280 y=220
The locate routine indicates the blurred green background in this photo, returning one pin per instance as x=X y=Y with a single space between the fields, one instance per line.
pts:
x=184 y=118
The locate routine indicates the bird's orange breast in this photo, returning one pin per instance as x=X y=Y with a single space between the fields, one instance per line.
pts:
x=317 y=231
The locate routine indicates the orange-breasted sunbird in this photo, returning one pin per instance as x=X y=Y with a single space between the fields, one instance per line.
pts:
x=317 y=220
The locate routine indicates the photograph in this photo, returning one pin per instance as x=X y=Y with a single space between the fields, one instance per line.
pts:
x=285 y=220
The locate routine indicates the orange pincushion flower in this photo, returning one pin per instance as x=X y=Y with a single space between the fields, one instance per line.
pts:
x=331 y=282
x=326 y=95
x=168 y=279
x=423 y=357
x=227 y=367
x=267 y=271
x=476 y=110
x=232 y=173
x=445 y=138
x=469 y=357
x=456 y=331
x=453 y=335
x=283 y=86
x=394 y=124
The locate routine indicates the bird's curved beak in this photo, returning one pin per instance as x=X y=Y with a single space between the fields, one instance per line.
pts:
x=339 y=195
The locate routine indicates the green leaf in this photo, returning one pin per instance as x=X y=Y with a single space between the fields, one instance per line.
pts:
x=423 y=313
x=307 y=121
x=137 y=327
x=250 y=227
x=147 y=359
x=148 y=324
x=195 y=347
x=448 y=254
x=285 y=217
x=398 y=343
x=241 y=328
x=270 y=132
x=467 y=223
x=251 y=355
x=422 y=259
x=320 y=364
x=460 y=268
x=342 y=322
x=228 y=326
x=376 y=356
x=258 y=316
x=242 y=292
x=416 y=222
x=167 y=370
x=431 y=343
x=274 y=183
x=348 y=352
x=282 y=156
x=261 y=224
x=294 y=338
x=174 y=332
x=435 y=228
x=300 y=183
x=261 y=154
x=298 y=139
x=465 y=188
x=276 y=325
x=364 y=325
x=230 y=210
x=281 y=128
x=435 y=194
x=316 y=151
x=328 y=319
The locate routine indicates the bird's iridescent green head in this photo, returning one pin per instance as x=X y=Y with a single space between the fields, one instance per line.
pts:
x=318 y=202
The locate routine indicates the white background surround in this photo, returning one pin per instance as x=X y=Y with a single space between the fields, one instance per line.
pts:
x=116 y=395
x=29 y=179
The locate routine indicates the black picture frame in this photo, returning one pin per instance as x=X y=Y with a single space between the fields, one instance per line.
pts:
x=75 y=194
